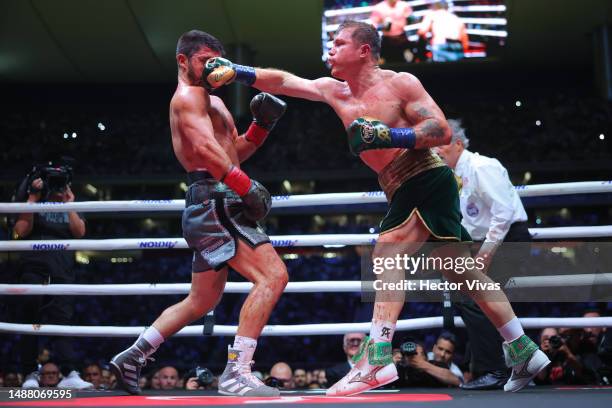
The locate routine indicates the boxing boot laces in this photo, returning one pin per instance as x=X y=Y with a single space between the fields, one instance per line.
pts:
x=237 y=379
x=127 y=366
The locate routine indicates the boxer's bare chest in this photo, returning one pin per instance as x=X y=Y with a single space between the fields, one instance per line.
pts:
x=223 y=124
x=377 y=102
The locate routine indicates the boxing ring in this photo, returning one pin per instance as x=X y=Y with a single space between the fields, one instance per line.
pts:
x=325 y=240
x=559 y=396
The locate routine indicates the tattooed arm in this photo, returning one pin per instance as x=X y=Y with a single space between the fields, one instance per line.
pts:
x=429 y=126
x=429 y=123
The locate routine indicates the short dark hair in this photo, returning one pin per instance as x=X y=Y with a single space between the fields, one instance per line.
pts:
x=592 y=310
x=191 y=41
x=363 y=33
x=448 y=336
x=92 y=365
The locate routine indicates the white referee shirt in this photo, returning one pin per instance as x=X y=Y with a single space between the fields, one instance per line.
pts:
x=489 y=202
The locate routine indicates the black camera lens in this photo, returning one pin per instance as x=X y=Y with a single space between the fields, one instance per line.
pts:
x=408 y=348
x=555 y=341
x=204 y=376
x=274 y=382
x=57 y=180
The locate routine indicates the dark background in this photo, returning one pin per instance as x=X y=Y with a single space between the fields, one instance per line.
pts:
x=67 y=65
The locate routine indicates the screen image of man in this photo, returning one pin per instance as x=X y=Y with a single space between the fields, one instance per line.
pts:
x=390 y=16
x=449 y=38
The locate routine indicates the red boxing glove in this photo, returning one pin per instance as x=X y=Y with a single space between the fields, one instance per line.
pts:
x=237 y=180
x=256 y=134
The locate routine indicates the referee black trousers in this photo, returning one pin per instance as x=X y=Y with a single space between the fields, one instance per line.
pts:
x=484 y=349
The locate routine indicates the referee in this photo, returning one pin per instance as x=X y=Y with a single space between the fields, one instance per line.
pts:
x=492 y=213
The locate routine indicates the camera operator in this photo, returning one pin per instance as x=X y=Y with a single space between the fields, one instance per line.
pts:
x=416 y=370
x=566 y=366
x=48 y=184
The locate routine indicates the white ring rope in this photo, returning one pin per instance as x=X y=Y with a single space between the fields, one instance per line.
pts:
x=281 y=241
x=146 y=289
x=599 y=231
x=330 y=240
x=559 y=281
x=304 y=200
x=170 y=288
x=291 y=330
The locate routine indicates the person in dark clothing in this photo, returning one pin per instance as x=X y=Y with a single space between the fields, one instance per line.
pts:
x=50 y=184
x=350 y=346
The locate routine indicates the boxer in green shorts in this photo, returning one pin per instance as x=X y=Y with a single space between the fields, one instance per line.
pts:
x=431 y=195
x=392 y=123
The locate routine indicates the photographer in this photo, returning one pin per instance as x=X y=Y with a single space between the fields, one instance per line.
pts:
x=48 y=184
x=416 y=370
x=566 y=365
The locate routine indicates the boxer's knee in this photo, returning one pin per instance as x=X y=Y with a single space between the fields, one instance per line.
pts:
x=281 y=277
x=203 y=302
x=199 y=308
x=277 y=276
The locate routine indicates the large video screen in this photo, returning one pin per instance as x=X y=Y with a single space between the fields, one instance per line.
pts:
x=424 y=30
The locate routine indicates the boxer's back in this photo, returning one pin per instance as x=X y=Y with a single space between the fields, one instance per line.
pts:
x=194 y=117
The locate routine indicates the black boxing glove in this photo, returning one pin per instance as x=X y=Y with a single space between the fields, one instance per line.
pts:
x=257 y=202
x=255 y=198
x=267 y=110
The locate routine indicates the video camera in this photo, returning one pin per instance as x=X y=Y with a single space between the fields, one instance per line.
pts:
x=55 y=180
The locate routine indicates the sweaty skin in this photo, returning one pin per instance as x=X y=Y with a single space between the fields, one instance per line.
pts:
x=204 y=137
x=398 y=100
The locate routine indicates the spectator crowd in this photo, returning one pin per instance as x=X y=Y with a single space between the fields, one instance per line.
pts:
x=554 y=127
x=579 y=357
